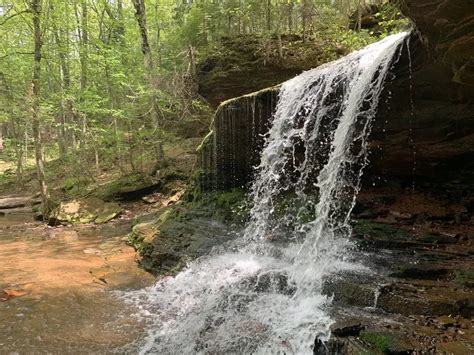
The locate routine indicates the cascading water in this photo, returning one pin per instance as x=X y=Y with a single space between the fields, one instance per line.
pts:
x=262 y=292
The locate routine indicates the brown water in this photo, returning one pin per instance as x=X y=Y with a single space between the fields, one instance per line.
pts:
x=56 y=288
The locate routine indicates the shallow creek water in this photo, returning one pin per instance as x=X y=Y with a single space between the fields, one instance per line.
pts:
x=61 y=283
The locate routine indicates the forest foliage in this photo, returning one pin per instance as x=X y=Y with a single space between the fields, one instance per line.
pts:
x=100 y=83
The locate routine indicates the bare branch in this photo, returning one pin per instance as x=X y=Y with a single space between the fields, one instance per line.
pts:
x=14 y=15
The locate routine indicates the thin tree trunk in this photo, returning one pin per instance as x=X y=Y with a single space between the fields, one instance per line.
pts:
x=84 y=41
x=304 y=18
x=290 y=16
x=36 y=119
x=1 y=137
x=280 y=45
x=140 y=14
x=66 y=104
x=269 y=15
x=121 y=26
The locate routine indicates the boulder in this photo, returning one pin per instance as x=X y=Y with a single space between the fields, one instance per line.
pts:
x=87 y=210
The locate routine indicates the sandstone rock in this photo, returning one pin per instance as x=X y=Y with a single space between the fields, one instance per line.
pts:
x=87 y=211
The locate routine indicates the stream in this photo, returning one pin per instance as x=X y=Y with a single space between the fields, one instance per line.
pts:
x=57 y=287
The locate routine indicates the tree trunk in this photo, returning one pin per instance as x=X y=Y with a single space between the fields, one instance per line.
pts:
x=140 y=14
x=35 y=108
x=269 y=15
x=1 y=137
x=121 y=26
x=304 y=18
x=66 y=105
x=84 y=43
x=290 y=16
x=280 y=45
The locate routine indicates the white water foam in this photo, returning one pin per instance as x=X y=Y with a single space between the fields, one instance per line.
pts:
x=262 y=293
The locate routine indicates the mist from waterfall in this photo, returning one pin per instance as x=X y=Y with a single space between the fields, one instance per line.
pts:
x=262 y=293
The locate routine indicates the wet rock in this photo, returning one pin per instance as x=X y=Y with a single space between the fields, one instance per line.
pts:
x=426 y=272
x=350 y=290
x=466 y=307
x=382 y=235
x=178 y=235
x=345 y=330
x=465 y=278
x=270 y=281
x=331 y=347
x=453 y=347
x=408 y=302
x=224 y=163
x=386 y=342
x=445 y=321
x=439 y=238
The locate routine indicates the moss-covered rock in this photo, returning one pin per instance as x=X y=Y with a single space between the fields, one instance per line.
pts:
x=465 y=278
x=75 y=186
x=188 y=230
x=87 y=210
x=248 y=63
x=384 y=342
x=127 y=187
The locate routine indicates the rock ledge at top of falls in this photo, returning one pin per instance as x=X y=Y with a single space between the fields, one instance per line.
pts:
x=249 y=63
x=446 y=29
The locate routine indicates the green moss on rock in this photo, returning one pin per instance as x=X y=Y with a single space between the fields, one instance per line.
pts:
x=383 y=342
x=465 y=278
x=185 y=231
x=87 y=210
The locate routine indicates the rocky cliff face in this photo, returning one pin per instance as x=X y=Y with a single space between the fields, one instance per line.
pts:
x=423 y=134
x=446 y=30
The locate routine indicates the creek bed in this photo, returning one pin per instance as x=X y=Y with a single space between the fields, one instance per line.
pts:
x=57 y=287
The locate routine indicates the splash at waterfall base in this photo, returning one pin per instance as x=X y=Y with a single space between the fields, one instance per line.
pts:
x=418 y=297
x=263 y=292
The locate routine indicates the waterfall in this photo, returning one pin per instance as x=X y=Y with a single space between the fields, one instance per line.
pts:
x=262 y=292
